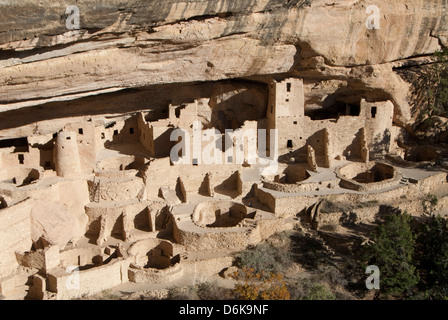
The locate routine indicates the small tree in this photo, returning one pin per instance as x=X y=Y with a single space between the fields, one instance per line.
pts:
x=393 y=252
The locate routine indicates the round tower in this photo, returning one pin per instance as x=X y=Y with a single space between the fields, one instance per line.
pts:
x=67 y=161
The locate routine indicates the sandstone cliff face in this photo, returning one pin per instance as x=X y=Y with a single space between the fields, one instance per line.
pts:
x=139 y=44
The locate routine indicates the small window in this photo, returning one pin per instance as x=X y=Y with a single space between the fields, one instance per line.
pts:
x=80 y=131
x=69 y=138
x=21 y=158
x=131 y=130
x=295 y=122
x=103 y=136
x=373 y=112
x=287 y=100
x=115 y=132
x=289 y=144
x=288 y=87
x=195 y=161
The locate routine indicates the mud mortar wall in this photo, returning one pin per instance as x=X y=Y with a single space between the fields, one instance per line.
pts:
x=15 y=235
x=214 y=241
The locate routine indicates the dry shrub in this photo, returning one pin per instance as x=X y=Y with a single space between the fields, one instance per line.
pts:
x=260 y=286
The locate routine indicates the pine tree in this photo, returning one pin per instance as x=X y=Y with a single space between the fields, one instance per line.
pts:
x=433 y=257
x=393 y=252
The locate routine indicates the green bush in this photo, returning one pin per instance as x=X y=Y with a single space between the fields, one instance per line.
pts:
x=308 y=289
x=319 y=292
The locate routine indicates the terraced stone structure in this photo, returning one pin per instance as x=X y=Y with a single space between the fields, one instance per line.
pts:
x=91 y=197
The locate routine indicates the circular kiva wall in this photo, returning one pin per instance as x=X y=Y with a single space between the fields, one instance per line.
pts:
x=19 y=176
x=219 y=214
x=154 y=261
x=153 y=253
x=292 y=179
x=366 y=177
x=292 y=175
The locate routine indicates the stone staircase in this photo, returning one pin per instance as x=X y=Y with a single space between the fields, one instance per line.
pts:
x=408 y=181
x=309 y=225
x=315 y=235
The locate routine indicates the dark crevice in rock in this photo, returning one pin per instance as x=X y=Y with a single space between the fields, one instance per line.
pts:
x=90 y=92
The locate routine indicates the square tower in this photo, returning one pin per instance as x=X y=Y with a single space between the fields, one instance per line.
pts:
x=286 y=112
x=286 y=98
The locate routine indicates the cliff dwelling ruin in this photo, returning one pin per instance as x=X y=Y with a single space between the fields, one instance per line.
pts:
x=92 y=195
x=123 y=210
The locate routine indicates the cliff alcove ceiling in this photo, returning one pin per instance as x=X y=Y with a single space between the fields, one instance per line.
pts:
x=119 y=44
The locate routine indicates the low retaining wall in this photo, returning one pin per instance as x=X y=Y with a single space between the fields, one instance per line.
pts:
x=88 y=282
x=207 y=267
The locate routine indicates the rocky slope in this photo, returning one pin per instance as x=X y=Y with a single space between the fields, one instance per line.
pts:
x=141 y=44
